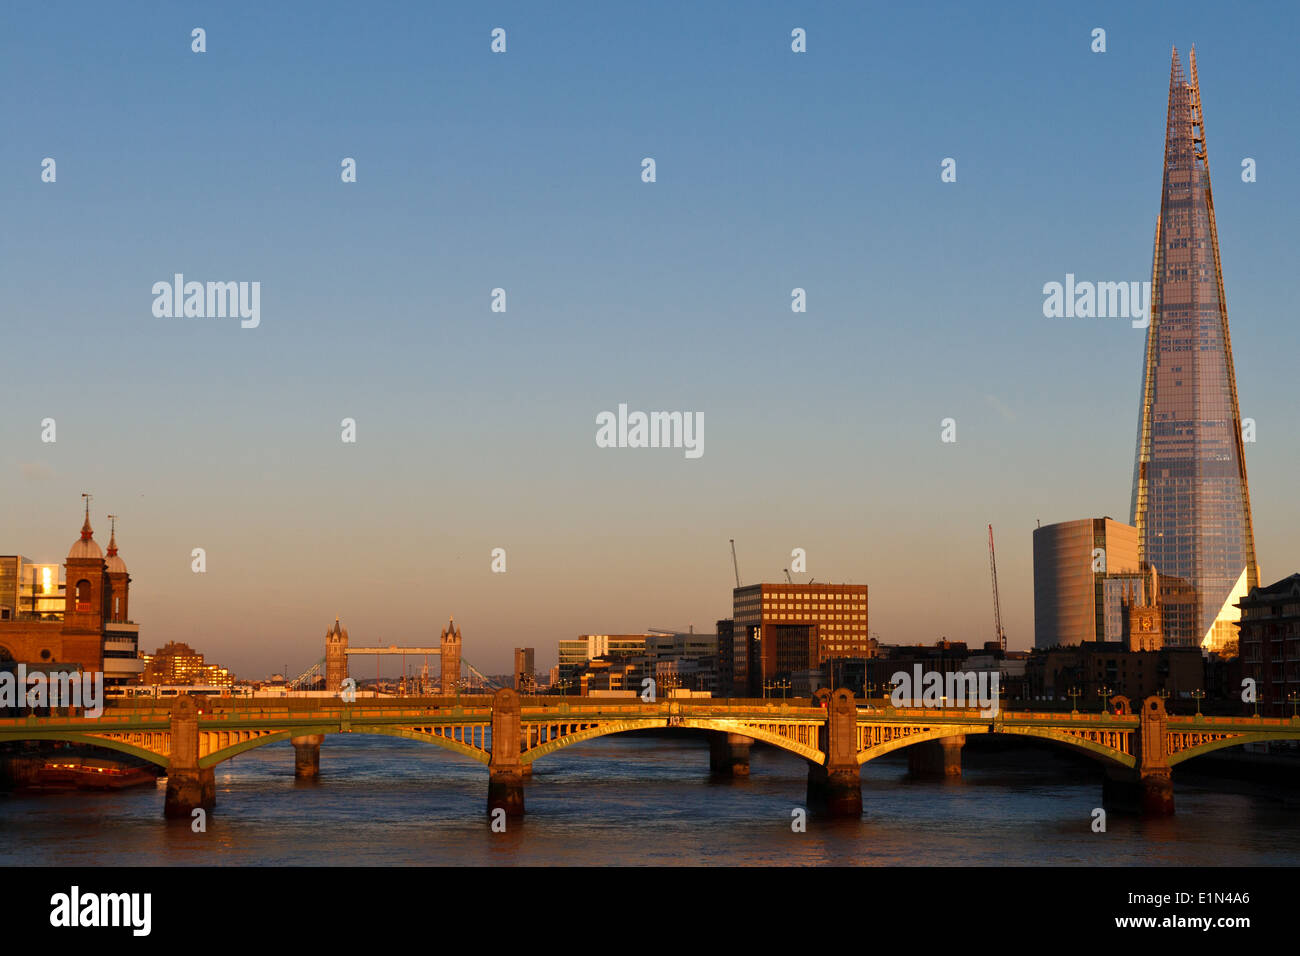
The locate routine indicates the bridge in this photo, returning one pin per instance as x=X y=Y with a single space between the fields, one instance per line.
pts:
x=833 y=732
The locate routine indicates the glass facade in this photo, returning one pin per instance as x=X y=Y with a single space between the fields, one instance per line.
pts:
x=1190 y=502
x=1078 y=567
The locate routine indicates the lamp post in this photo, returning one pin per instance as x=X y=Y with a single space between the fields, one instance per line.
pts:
x=1074 y=694
x=887 y=694
x=1104 y=693
x=1294 y=698
x=1198 y=695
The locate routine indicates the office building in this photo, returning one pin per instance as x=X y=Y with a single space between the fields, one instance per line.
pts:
x=1191 y=502
x=179 y=665
x=587 y=647
x=1083 y=571
x=525 y=679
x=786 y=628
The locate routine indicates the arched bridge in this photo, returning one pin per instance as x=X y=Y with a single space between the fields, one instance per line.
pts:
x=833 y=732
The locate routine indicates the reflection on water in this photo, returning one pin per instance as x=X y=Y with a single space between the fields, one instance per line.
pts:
x=642 y=800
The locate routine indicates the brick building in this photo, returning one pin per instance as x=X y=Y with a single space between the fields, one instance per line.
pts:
x=1270 y=644
x=87 y=625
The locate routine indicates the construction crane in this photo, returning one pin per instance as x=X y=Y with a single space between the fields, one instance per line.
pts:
x=999 y=635
x=734 y=563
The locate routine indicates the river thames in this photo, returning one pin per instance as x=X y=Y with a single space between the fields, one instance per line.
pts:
x=643 y=800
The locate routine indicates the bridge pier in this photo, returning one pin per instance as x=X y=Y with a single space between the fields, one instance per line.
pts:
x=189 y=786
x=506 y=792
x=306 y=756
x=1149 y=795
x=505 y=770
x=835 y=792
x=936 y=758
x=1148 y=788
x=188 y=790
x=835 y=787
x=729 y=754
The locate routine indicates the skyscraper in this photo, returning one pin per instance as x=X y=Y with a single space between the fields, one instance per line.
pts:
x=1191 y=505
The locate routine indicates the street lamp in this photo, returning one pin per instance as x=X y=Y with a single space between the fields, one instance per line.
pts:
x=1074 y=694
x=1104 y=693
x=1198 y=695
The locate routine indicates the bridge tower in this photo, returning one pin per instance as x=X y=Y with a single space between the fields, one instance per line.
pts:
x=449 y=658
x=336 y=657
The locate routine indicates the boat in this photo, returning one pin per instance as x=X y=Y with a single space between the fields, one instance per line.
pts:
x=85 y=773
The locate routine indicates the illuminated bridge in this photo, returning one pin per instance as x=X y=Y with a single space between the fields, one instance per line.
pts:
x=507 y=733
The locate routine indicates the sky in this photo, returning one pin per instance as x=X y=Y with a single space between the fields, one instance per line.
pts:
x=522 y=170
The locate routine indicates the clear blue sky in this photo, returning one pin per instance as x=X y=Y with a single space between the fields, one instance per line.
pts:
x=522 y=171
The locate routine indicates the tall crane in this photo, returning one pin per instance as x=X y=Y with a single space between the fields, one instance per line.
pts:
x=734 y=563
x=999 y=635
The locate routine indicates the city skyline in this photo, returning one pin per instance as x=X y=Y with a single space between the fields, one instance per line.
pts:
x=476 y=430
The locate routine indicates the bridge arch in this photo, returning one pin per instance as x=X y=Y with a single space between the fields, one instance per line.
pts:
x=1236 y=740
x=91 y=740
x=811 y=754
x=1099 y=752
x=381 y=730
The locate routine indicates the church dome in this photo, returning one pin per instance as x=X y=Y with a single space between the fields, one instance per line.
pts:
x=85 y=547
x=115 y=564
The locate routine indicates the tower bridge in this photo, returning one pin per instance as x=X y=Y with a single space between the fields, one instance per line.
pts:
x=833 y=732
x=333 y=668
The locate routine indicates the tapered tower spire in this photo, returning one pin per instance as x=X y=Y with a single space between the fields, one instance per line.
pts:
x=1191 y=502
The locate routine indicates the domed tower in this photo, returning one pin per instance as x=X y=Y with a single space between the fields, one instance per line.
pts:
x=122 y=664
x=83 y=615
x=336 y=657
x=116 y=593
x=449 y=657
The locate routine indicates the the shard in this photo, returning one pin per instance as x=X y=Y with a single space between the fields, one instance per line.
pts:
x=1191 y=503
